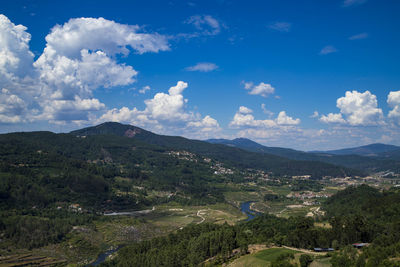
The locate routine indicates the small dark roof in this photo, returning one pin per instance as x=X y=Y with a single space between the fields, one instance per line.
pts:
x=360 y=244
x=323 y=249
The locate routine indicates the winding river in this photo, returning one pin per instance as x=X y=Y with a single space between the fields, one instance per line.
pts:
x=103 y=256
x=245 y=208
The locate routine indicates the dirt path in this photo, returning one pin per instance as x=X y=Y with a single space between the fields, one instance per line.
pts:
x=199 y=214
x=253 y=248
x=282 y=211
x=305 y=250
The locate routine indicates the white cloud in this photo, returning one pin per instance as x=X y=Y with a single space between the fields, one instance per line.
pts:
x=315 y=115
x=17 y=76
x=244 y=118
x=248 y=85
x=15 y=57
x=348 y=3
x=202 y=67
x=12 y=107
x=144 y=89
x=207 y=124
x=78 y=109
x=332 y=118
x=80 y=56
x=64 y=77
x=247 y=120
x=165 y=113
x=207 y=24
x=101 y=34
x=245 y=110
x=359 y=36
x=359 y=109
x=263 y=89
x=329 y=49
x=169 y=107
x=394 y=102
x=126 y=115
x=280 y=26
x=284 y=119
x=266 y=111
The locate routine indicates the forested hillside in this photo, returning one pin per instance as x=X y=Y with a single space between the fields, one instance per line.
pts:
x=372 y=158
x=230 y=155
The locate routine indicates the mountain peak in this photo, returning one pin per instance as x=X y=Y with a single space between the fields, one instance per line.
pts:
x=110 y=128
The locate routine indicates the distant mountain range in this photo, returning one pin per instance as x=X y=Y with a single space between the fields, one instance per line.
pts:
x=374 y=157
x=368 y=150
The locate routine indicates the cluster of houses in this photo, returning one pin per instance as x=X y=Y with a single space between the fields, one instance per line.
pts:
x=301 y=177
x=257 y=174
x=308 y=195
x=219 y=169
x=184 y=155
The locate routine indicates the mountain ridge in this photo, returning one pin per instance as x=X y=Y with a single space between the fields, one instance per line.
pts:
x=388 y=160
x=233 y=155
x=373 y=149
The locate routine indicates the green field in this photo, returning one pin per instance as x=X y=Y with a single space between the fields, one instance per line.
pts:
x=262 y=258
x=265 y=257
x=273 y=253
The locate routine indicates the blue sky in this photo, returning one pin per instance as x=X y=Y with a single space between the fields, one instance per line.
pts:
x=300 y=74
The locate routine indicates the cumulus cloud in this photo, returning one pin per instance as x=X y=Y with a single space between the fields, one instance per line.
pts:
x=332 y=118
x=329 y=49
x=15 y=57
x=393 y=101
x=64 y=78
x=263 y=89
x=17 y=76
x=206 y=24
x=12 y=107
x=245 y=110
x=80 y=56
x=359 y=36
x=202 y=67
x=280 y=26
x=244 y=118
x=359 y=109
x=101 y=34
x=207 y=124
x=169 y=107
x=284 y=119
x=165 y=113
x=60 y=111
